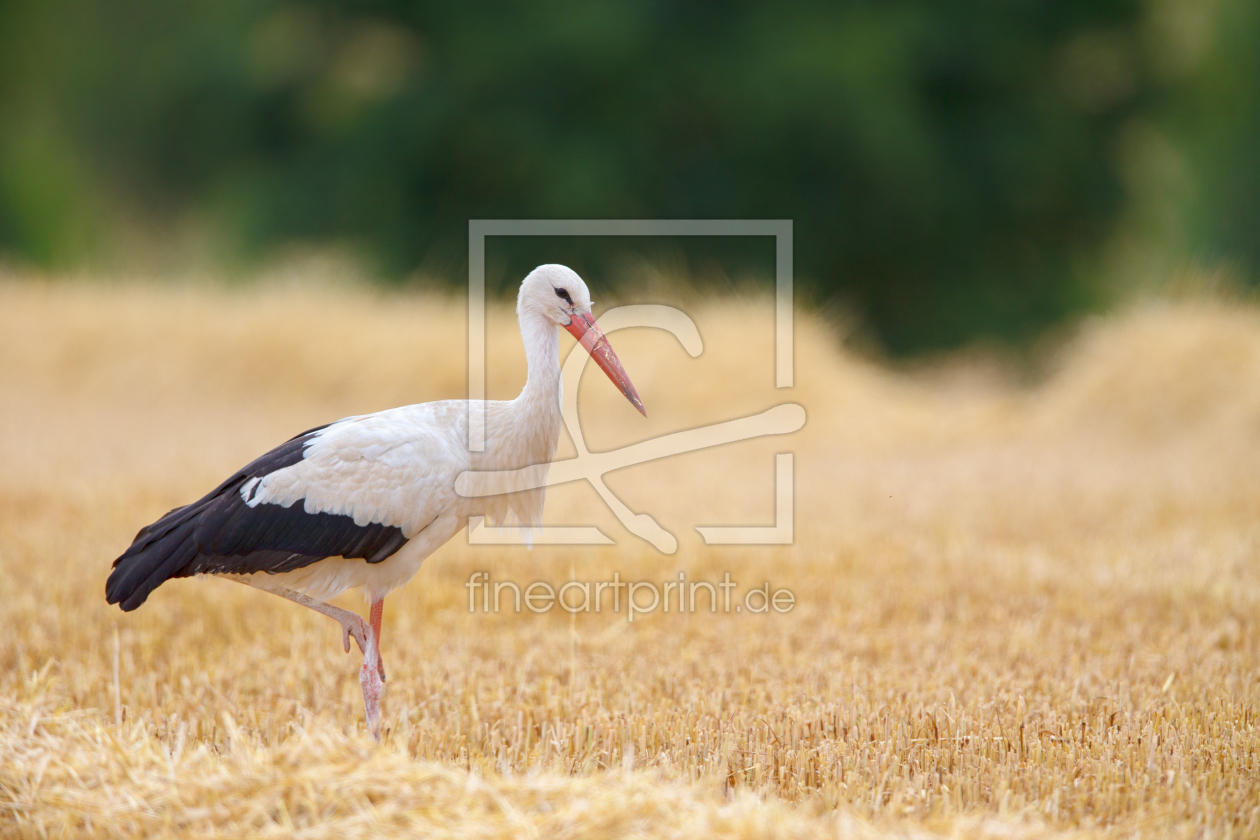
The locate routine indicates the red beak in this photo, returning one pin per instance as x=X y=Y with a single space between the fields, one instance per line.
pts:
x=590 y=336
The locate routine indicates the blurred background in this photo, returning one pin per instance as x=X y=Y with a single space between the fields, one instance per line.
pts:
x=1028 y=593
x=957 y=171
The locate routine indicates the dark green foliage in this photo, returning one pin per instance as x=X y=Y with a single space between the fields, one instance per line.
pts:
x=951 y=166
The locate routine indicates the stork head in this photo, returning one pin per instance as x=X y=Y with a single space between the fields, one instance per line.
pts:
x=557 y=293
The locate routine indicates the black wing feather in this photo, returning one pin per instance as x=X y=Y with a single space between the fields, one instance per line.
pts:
x=220 y=534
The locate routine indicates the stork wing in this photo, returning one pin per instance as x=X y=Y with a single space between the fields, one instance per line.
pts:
x=358 y=488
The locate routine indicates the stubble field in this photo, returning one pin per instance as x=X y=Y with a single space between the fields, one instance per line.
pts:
x=1021 y=609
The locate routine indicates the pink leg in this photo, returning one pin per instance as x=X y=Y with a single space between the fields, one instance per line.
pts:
x=351 y=624
x=372 y=674
x=378 y=607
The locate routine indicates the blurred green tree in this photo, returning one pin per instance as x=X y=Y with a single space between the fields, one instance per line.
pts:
x=952 y=167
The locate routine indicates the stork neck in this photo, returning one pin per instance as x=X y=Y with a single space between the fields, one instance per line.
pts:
x=542 y=355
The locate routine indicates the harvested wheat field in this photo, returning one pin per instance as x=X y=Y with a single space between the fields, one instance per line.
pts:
x=1021 y=610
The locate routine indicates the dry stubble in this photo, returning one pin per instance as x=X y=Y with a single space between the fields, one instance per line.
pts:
x=1018 y=611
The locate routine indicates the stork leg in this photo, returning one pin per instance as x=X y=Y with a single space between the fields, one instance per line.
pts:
x=368 y=637
x=372 y=674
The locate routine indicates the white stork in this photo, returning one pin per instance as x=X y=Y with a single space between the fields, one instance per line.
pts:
x=363 y=501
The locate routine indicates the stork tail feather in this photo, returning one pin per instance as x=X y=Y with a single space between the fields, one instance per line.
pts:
x=150 y=562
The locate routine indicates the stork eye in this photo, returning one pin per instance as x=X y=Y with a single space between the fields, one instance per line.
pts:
x=563 y=294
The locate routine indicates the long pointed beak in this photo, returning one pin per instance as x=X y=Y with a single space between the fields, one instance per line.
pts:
x=590 y=336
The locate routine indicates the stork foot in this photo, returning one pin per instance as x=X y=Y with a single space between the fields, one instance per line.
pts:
x=353 y=625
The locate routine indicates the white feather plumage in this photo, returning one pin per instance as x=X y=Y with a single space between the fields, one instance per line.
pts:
x=399 y=467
